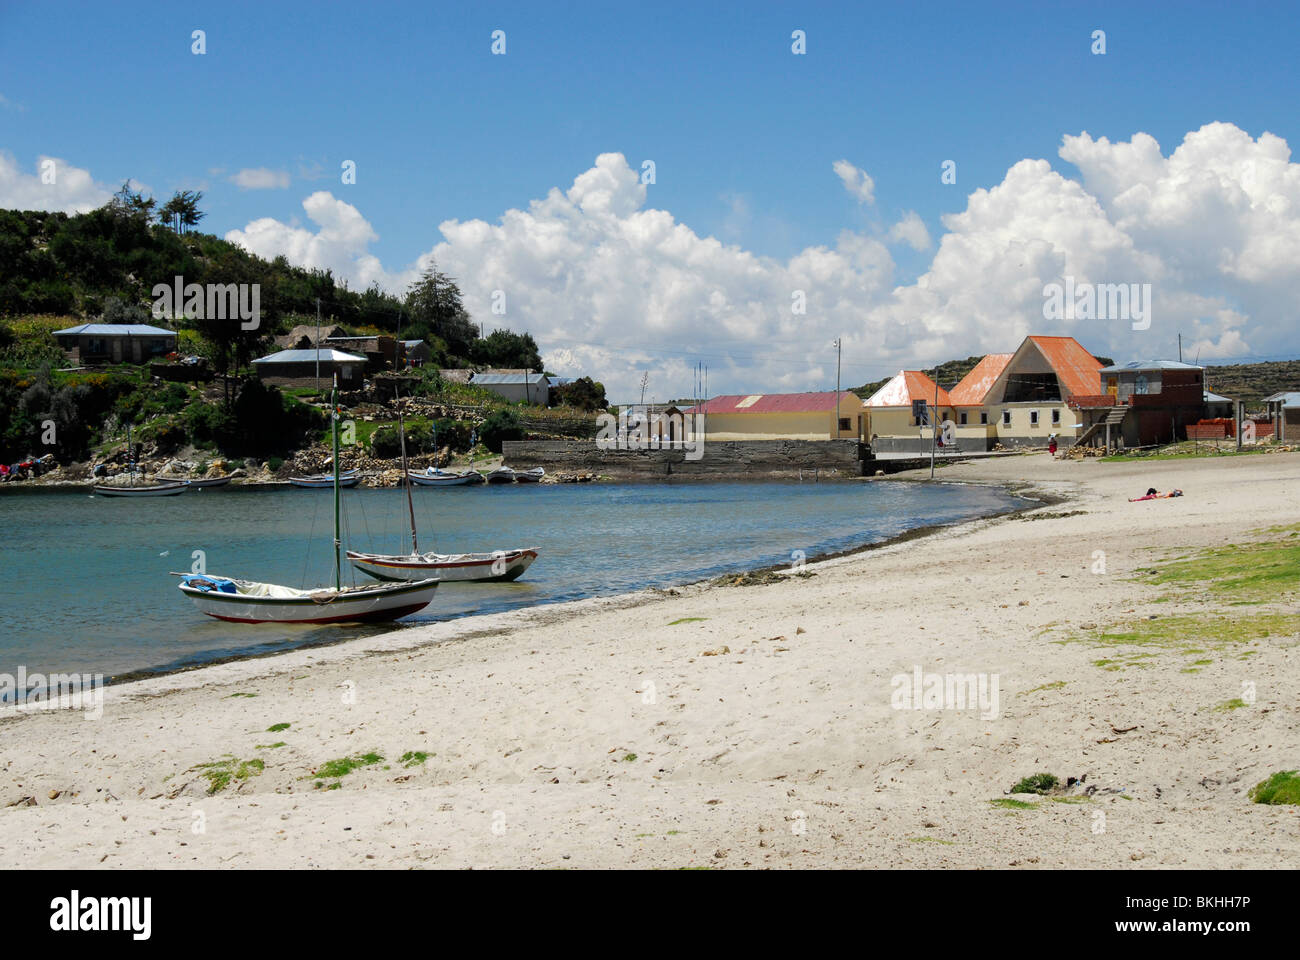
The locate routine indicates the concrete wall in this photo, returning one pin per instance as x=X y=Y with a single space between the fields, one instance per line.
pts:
x=718 y=459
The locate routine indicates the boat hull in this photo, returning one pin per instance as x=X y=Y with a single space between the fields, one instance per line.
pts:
x=530 y=476
x=207 y=484
x=444 y=479
x=501 y=566
x=157 y=490
x=378 y=604
x=503 y=475
x=317 y=483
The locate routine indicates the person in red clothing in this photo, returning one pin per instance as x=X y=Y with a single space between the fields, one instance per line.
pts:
x=1051 y=444
x=1151 y=494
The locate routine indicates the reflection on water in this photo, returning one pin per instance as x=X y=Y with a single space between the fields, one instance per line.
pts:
x=84 y=582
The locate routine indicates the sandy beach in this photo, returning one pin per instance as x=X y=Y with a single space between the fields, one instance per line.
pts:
x=738 y=726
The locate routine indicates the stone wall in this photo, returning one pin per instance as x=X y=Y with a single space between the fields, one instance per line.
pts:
x=721 y=459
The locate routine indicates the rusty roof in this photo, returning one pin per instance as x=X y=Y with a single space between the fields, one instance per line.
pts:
x=975 y=386
x=1075 y=367
x=906 y=386
x=779 y=403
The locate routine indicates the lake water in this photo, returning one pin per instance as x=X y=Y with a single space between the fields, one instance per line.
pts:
x=84 y=583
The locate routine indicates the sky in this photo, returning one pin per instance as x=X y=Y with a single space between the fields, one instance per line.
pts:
x=648 y=187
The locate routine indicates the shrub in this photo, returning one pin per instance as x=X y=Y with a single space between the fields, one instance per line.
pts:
x=500 y=425
x=1038 y=783
x=1282 y=787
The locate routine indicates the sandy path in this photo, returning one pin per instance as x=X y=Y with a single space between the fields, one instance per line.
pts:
x=549 y=747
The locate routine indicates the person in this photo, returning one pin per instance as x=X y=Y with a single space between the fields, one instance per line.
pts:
x=1051 y=444
x=1152 y=494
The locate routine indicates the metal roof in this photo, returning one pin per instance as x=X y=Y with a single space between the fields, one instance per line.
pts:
x=1149 y=365
x=780 y=403
x=506 y=378
x=116 y=330
x=1215 y=398
x=327 y=354
x=906 y=386
x=1075 y=367
x=1288 y=398
x=975 y=386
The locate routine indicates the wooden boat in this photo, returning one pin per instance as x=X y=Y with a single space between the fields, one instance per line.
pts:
x=325 y=480
x=146 y=490
x=246 y=601
x=208 y=483
x=249 y=601
x=495 y=567
x=167 y=488
x=441 y=478
x=530 y=476
x=501 y=475
x=499 y=566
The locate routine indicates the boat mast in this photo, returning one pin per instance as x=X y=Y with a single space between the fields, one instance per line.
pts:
x=406 y=472
x=334 y=419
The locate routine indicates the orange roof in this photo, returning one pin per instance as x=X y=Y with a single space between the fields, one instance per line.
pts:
x=906 y=386
x=975 y=386
x=1075 y=367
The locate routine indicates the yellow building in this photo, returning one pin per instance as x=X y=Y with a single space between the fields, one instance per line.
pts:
x=783 y=416
x=901 y=416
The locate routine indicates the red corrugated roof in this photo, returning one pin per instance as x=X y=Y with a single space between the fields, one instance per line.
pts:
x=975 y=386
x=1075 y=367
x=906 y=386
x=779 y=403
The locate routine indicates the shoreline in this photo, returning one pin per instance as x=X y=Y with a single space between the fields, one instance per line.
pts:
x=914 y=533
x=739 y=726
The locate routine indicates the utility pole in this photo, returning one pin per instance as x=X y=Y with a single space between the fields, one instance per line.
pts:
x=317 y=343
x=1180 y=348
x=837 y=388
x=934 y=424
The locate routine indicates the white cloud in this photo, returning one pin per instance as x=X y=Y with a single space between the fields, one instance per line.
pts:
x=911 y=231
x=73 y=190
x=610 y=288
x=260 y=178
x=857 y=182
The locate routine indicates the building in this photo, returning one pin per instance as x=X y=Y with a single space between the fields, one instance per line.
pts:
x=899 y=417
x=305 y=335
x=1160 y=397
x=1284 y=413
x=782 y=416
x=658 y=422
x=515 y=385
x=381 y=353
x=116 y=342
x=303 y=367
x=1219 y=408
x=416 y=353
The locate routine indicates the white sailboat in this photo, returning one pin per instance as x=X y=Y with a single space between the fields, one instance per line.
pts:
x=165 y=489
x=250 y=601
x=495 y=567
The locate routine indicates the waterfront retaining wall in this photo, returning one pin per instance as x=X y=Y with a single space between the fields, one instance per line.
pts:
x=717 y=459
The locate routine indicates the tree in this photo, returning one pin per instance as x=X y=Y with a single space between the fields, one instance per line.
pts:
x=130 y=204
x=188 y=208
x=502 y=348
x=434 y=301
x=584 y=393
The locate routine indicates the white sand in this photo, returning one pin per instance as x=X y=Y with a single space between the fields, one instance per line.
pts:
x=783 y=752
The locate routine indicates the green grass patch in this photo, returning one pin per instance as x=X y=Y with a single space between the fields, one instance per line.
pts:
x=1038 y=783
x=413 y=758
x=1010 y=803
x=271 y=746
x=946 y=843
x=242 y=695
x=1055 y=685
x=1132 y=643
x=334 y=769
x=220 y=773
x=1259 y=572
x=1281 y=787
x=687 y=620
x=629 y=757
x=1236 y=703
x=277 y=727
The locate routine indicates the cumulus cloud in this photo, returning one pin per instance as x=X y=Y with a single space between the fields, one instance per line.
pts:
x=610 y=287
x=260 y=178
x=53 y=185
x=857 y=182
x=911 y=231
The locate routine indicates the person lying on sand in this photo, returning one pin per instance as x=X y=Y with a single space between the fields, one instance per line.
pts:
x=1151 y=494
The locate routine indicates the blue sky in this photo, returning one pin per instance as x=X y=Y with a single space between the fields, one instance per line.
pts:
x=742 y=132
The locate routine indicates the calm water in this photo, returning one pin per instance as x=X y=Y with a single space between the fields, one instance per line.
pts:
x=84 y=582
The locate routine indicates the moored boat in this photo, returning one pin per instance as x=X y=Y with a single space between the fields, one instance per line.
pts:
x=529 y=476
x=442 y=478
x=324 y=480
x=208 y=483
x=500 y=566
x=146 y=490
x=501 y=475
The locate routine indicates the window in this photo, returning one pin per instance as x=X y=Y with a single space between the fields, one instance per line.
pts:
x=1006 y=418
x=844 y=423
x=1033 y=418
x=963 y=419
x=1056 y=417
x=984 y=417
x=920 y=416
